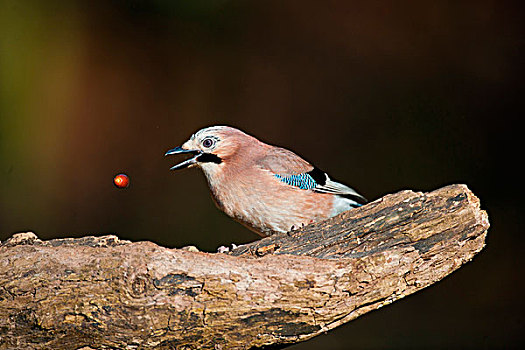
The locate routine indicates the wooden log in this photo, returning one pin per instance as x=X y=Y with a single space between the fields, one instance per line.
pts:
x=105 y=293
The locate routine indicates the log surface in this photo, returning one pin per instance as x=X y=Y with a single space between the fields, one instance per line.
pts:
x=105 y=293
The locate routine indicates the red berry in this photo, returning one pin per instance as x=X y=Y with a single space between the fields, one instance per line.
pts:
x=121 y=181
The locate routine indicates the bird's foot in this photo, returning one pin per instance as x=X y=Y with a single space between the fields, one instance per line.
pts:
x=224 y=249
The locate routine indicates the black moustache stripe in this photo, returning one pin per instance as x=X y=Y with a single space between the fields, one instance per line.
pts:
x=209 y=158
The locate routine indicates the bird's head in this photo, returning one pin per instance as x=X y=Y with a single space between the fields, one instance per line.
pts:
x=212 y=146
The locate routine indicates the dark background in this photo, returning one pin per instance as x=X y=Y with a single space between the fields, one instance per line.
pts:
x=384 y=96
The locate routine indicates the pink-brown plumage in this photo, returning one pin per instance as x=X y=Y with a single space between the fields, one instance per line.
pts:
x=242 y=174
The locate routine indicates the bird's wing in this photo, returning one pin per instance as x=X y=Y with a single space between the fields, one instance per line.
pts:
x=284 y=162
x=295 y=171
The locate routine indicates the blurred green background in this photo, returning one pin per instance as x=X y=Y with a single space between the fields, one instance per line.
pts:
x=384 y=96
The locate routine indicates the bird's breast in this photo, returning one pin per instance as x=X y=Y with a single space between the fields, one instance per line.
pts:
x=267 y=205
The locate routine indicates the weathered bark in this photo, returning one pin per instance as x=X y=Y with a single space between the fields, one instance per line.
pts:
x=101 y=292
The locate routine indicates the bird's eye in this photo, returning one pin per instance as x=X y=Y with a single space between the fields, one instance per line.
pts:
x=208 y=142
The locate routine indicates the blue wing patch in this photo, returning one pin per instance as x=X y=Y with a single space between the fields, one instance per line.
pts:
x=303 y=181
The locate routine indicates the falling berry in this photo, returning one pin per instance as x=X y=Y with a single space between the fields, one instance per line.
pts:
x=121 y=180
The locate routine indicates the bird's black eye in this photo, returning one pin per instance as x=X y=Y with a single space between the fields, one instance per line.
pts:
x=208 y=142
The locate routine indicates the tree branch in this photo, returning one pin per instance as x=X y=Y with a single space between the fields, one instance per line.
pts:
x=102 y=292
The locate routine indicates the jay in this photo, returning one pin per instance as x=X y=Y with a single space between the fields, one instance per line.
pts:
x=268 y=189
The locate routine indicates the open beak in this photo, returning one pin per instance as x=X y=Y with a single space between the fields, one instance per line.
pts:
x=186 y=163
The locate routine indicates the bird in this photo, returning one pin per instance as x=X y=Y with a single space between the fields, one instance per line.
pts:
x=268 y=189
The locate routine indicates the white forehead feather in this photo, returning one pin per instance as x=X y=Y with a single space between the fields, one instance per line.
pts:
x=212 y=130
